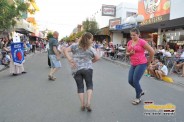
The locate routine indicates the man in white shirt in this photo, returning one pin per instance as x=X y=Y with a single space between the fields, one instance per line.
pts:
x=167 y=53
x=161 y=49
x=182 y=55
x=162 y=71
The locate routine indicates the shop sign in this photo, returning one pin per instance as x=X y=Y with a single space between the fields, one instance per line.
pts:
x=113 y=23
x=125 y=26
x=154 y=10
x=155 y=20
x=108 y=10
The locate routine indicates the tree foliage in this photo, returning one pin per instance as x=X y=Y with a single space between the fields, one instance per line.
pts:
x=73 y=36
x=10 y=12
x=49 y=35
x=79 y=34
x=90 y=26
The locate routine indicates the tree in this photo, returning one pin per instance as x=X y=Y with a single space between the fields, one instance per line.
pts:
x=49 y=35
x=79 y=34
x=66 y=39
x=73 y=36
x=90 y=26
x=10 y=12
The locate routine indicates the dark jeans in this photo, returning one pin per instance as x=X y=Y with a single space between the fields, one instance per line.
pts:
x=84 y=74
x=135 y=74
x=48 y=59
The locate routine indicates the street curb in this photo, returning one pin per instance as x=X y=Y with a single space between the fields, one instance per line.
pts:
x=116 y=62
x=127 y=66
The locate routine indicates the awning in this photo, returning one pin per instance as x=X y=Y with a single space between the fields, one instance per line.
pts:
x=23 y=25
x=22 y=31
x=38 y=34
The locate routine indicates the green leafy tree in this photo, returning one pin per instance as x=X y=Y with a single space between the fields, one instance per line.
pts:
x=79 y=34
x=10 y=12
x=90 y=26
x=66 y=39
x=72 y=37
x=49 y=35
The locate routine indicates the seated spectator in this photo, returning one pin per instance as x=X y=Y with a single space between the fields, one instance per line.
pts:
x=160 y=52
x=161 y=49
x=182 y=70
x=180 y=66
x=152 y=67
x=169 y=49
x=112 y=51
x=96 y=45
x=180 y=50
x=167 y=53
x=162 y=71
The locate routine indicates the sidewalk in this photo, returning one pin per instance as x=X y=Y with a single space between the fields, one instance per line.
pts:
x=2 y=67
x=177 y=79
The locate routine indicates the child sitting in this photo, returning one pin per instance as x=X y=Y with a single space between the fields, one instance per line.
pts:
x=152 y=67
x=162 y=71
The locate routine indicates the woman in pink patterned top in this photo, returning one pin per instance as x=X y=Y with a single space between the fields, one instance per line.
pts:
x=135 y=49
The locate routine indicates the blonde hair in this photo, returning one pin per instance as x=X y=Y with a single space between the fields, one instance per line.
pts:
x=85 y=42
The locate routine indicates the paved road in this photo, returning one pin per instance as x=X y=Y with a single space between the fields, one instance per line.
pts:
x=32 y=98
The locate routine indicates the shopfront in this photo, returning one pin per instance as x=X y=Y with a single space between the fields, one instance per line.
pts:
x=164 y=21
x=116 y=35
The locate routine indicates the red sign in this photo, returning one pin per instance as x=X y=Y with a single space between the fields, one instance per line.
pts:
x=154 y=10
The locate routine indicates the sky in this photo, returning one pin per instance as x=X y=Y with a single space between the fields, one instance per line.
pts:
x=64 y=15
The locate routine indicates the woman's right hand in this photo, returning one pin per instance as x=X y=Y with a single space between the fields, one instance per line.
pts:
x=131 y=52
x=72 y=63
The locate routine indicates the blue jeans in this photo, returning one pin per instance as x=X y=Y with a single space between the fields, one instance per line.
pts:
x=135 y=74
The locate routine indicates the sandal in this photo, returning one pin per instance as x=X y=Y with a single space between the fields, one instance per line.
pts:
x=14 y=74
x=82 y=108
x=136 y=101
x=88 y=108
x=142 y=93
x=24 y=72
x=51 y=78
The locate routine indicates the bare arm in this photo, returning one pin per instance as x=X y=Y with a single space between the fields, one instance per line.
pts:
x=96 y=58
x=151 y=52
x=70 y=59
x=127 y=52
x=55 y=50
x=66 y=52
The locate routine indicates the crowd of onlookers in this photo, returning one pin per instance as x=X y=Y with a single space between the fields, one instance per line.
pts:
x=28 y=46
x=167 y=60
x=4 y=51
x=171 y=58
